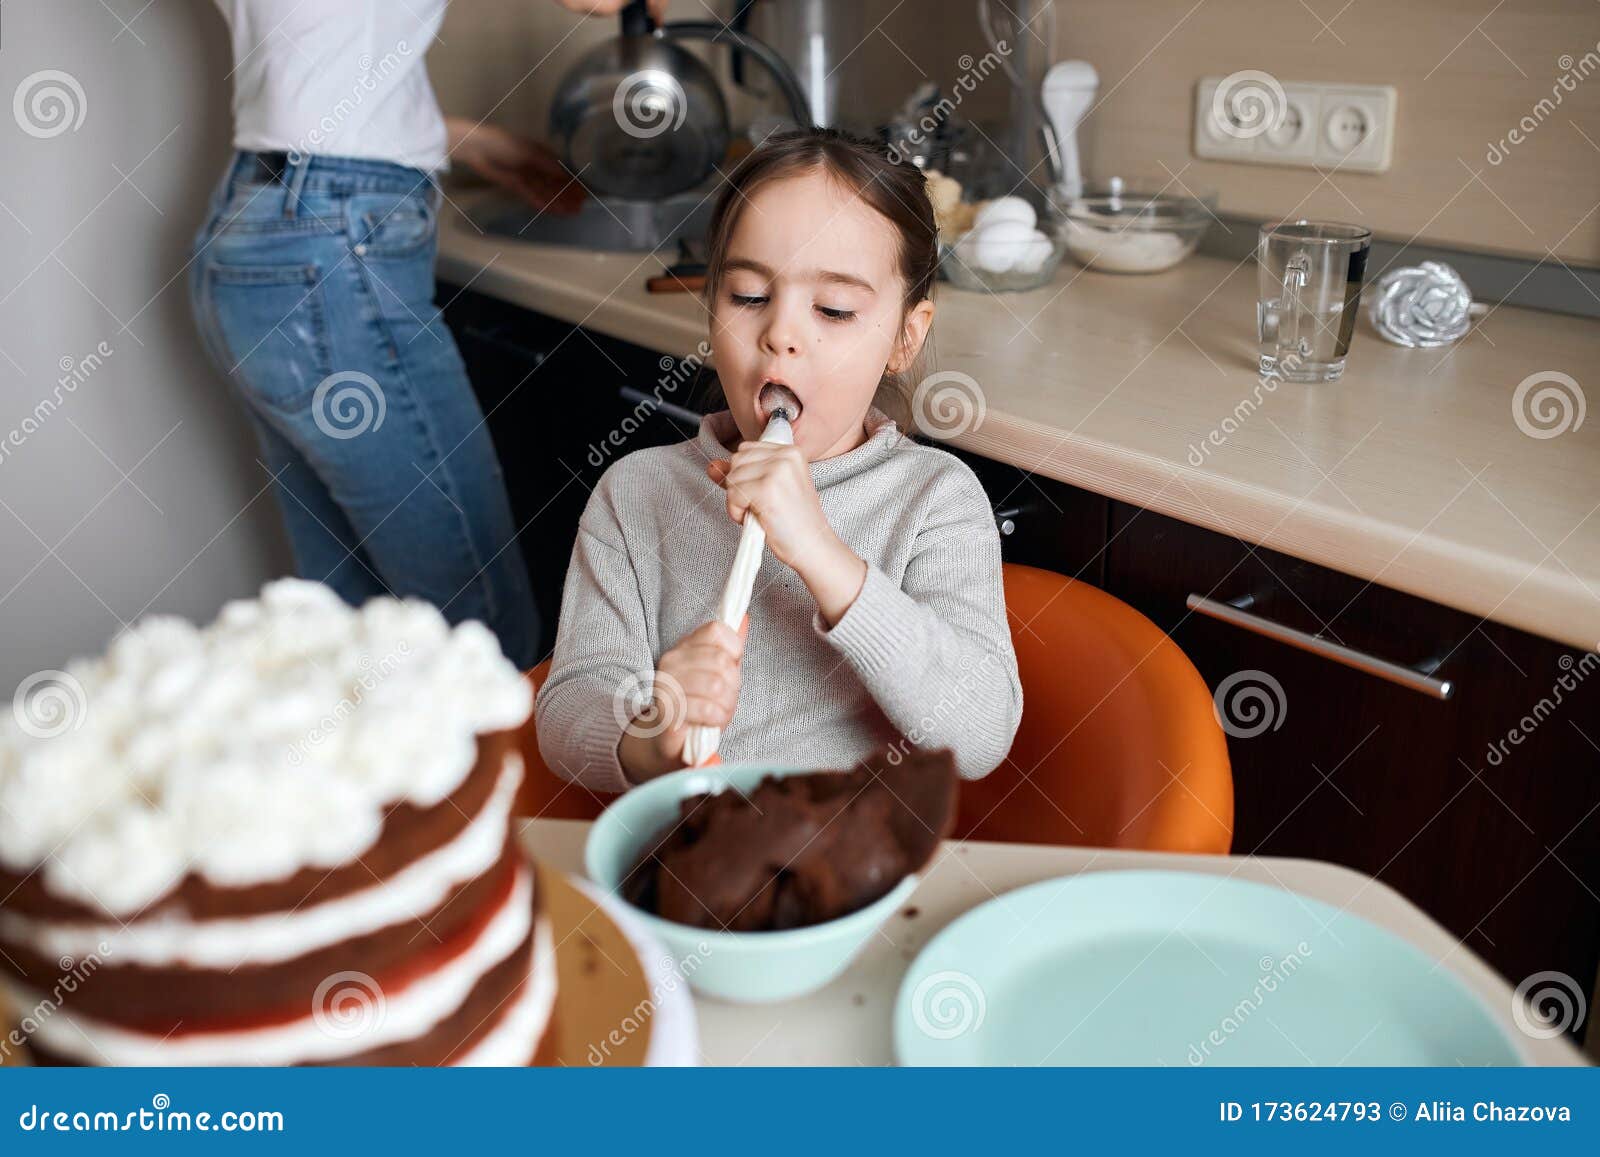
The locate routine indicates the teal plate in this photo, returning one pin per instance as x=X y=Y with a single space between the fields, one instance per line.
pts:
x=1174 y=968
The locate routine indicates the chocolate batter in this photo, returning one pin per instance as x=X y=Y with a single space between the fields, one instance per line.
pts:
x=799 y=850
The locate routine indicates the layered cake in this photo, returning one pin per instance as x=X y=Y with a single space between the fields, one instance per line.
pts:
x=800 y=849
x=284 y=838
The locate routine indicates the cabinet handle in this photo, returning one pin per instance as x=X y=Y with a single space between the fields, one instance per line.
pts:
x=1236 y=611
x=679 y=413
x=473 y=332
x=1005 y=520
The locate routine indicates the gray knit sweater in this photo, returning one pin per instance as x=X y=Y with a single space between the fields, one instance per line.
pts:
x=923 y=654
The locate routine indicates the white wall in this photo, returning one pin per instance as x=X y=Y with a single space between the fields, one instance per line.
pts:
x=140 y=493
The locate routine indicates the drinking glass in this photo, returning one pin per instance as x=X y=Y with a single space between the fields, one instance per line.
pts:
x=1311 y=274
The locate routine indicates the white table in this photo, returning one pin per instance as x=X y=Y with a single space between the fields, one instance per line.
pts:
x=848 y=1022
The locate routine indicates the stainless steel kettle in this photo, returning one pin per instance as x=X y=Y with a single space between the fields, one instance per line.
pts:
x=639 y=117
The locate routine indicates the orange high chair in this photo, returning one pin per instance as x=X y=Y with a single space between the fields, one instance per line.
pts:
x=1118 y=746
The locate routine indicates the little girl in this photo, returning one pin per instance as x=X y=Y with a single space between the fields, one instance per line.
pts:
x=878 y=615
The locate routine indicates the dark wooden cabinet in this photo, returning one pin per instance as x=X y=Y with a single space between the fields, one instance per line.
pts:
x=562 y=403
x=1043 y=522
x=1483 y=809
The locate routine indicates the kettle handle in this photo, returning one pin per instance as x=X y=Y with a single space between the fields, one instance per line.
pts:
x=636 y=19
x=788 y=85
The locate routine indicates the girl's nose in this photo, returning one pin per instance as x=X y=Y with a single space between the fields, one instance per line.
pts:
x=782 y=334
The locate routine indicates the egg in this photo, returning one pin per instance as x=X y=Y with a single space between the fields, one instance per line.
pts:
x=1034 y=255
x=966 y=249
x=997 y=247
x=1005 y=209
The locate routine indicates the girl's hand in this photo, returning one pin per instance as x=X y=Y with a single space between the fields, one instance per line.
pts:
x=696 y=684
x=774 y=482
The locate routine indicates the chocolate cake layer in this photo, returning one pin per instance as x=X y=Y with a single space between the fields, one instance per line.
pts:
x=450 y=1038
x=472 y=1020
x=136 y=995
x=409 y=833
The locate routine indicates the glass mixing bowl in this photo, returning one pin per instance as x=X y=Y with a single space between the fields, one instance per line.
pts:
x=1134 y=225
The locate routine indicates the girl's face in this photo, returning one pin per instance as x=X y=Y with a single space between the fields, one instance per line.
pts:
x=811 y=297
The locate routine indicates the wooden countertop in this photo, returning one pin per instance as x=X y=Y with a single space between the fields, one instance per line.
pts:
x=1412 y=472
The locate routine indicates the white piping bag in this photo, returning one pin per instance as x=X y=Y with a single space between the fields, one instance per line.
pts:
x=781 y=406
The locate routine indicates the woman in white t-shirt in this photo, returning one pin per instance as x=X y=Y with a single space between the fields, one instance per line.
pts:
x=312 y=286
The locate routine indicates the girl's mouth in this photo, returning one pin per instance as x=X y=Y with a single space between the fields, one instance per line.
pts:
x=776 y=398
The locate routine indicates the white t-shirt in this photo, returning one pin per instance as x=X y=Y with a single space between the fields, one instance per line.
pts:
x=342 y=78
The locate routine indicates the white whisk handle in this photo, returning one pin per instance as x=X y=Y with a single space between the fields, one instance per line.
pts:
x=702 y=742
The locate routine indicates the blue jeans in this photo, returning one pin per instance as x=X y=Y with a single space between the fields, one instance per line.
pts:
x=312 y=286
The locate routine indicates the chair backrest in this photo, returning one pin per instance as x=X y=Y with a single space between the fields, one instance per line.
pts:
x=1119 y=745
x=544 y=794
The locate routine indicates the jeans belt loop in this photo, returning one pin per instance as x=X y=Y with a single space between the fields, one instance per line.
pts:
x=295 y=181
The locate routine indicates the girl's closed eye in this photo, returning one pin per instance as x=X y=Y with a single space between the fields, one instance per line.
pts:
x=755 y=300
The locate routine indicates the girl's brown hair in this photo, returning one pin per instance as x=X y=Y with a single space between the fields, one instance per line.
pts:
x=897 y=190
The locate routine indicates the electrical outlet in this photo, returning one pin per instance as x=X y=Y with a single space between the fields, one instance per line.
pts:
x=1357 y=128
x=1252 y=117
x=1292 y=138
x=1218 y=130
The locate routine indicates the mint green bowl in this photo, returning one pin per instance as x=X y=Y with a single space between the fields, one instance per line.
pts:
x=746 y=967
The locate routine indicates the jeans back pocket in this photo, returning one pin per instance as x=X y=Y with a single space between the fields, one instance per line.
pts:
x=392 y=224
x=271 y=324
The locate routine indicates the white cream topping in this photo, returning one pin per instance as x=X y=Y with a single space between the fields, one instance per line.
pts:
x=166 y=940
x=513 y=1040
x=275 y=739
x=357 y=1015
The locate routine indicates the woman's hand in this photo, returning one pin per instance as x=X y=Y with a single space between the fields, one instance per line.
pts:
x=658 y=8
x=516 y=164
x=696 y=684
x=774 y=481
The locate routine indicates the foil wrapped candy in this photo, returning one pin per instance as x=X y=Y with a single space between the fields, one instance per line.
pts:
x=1422 y=306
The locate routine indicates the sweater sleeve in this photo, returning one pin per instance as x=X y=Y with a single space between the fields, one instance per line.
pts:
x=935 y=651
x=602 y=665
